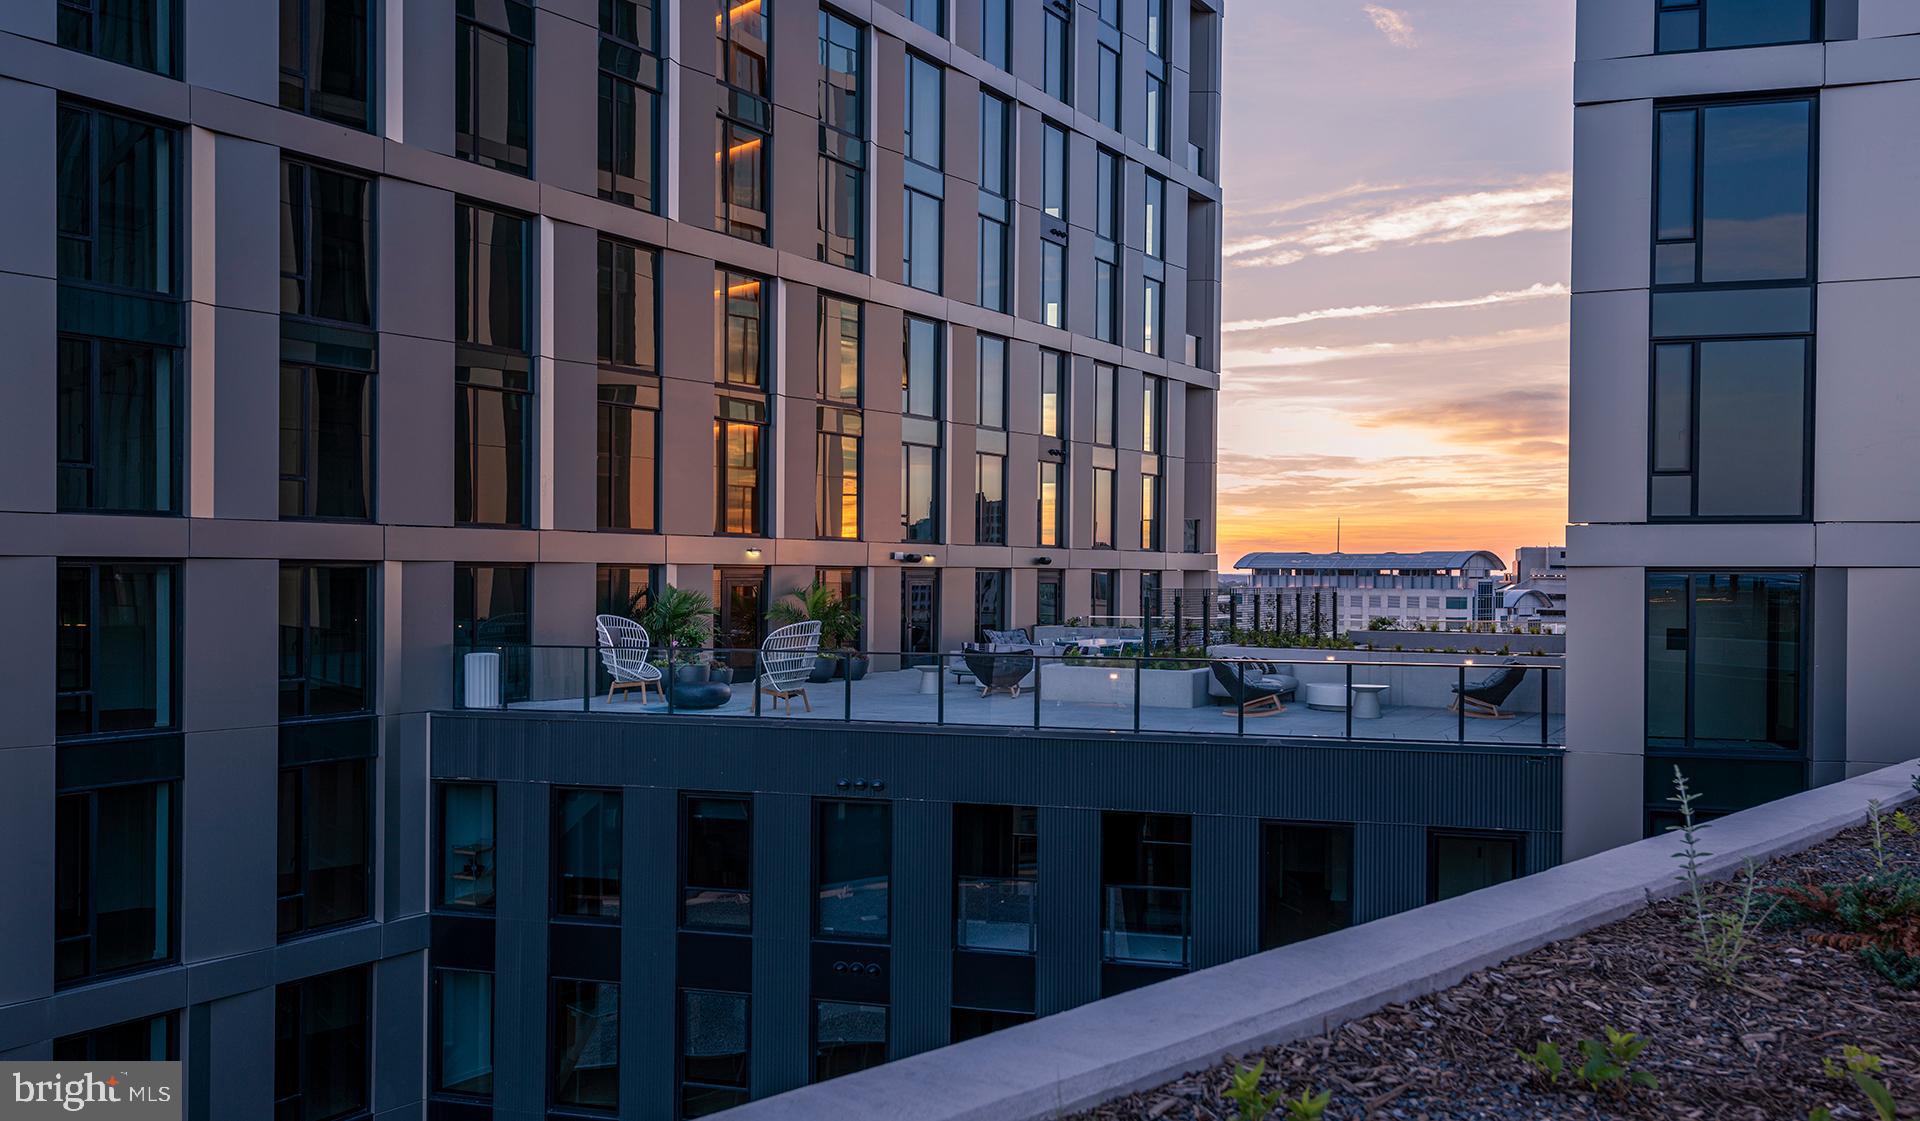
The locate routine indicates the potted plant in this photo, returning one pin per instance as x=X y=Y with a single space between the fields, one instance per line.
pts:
x=839 y=629
x=683 y=620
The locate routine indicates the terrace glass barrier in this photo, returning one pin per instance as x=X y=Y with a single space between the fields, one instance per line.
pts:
x=1085 y=684
x=1146 y=924
x=994 y=914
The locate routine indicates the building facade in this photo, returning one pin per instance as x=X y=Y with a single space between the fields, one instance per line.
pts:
x=1741 y=574
x=346 y=333
x=1410 y=588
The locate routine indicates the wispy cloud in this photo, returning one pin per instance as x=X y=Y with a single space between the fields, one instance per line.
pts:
x=1291 y=356
x=1374 y=311
x=1392 y=24
x=1412 y=216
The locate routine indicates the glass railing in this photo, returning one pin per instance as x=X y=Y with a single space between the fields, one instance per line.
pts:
x=1145 y=677
x=1145 y=924
x=706 y=908
x=994 y=914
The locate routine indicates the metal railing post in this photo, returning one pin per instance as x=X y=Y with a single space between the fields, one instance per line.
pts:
x=754 y=684
x=1349 y=700
x=940 y=689
x=1038 y=664
x=846 y=667
x=1139 y=668
x=669 y=676
x=1240 y=702
x=1178 y=644
x=588 y=686
x=1460 y=704
x=1546 y=699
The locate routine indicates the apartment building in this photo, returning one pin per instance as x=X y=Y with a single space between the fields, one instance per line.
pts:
x=1741 y=572
x=1411 y=588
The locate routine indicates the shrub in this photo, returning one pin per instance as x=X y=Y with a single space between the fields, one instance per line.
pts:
x=1605 y=1064
x=1722 y=935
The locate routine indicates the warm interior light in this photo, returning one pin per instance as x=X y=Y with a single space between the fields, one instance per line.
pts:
x=749 y=288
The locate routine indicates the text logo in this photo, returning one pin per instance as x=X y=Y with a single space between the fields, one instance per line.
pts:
x=99 y=1091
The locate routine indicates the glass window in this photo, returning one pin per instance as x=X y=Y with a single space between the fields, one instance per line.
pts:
x=744 y=35
x=852 y=865
x=740 y=312
x=847 y=1038
x=740 y=419
x=1151 y=313
x=714 y=1053
x=114 y=649
x=463 y=1015
x=1691 y=25
x=741 y=184
x=718 y=892
x=587 y=853
x=116 y=205
x=1053 y=393
x=930 y=14
x=155 y=1039
x=1104 y=582
x=843 y=149
x=1053 y=283
x=493 y=395
x=1730 y=429
x=627 y=303
x=1053 y=510
x=1146 y=871
x=1110 y=12
x=1106 y=301
x=326 y=442
x=1153 y=412
x=1108 y=77
x=628 y=411
x=993 y=33
x=1105 y=400
x=990 y=499
x=989 y=602
x=995 y=130
x=972 y=1023
x=996 y=868
x=622 y=590
x=114 y=893
x=1725 y=660
x=326 y=245
x=1109 y=185
x=1462 y=862
x=919 y=493
x=117 y=434
x=324 y=612
x=1156 y=114
x=1735 y=184
x=921 y=241
x=586 y=1044
x=739 y=437
x=837 y=460
x=1048 y=601
x=138 y=33
x=1156 y=217
x=925 y=112
x=490 y=605
x=1103 y=507
x=466 y=846
x=493 y=72
x=1150 y=512
x=1157 y=27
x=321 y=1060
x=323 y=60
x=993 y=381
x=1057 y=49
x=325 y=846
x=994 y=289
x=1306 y=881
x=630 y=96
x=1053 y=170
x=922 y=396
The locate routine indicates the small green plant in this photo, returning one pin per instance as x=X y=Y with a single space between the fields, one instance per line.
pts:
x=1255 y=1104
x=1904 y=823
x=1859 y=1067
x=822 y=603
x=1309 y=1106
x=681 y=618
x=1609 y=1065
x=1546 y=1058
x=1722 y=935
x=1879 y=835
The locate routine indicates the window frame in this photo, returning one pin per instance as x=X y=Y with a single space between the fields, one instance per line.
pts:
x=303 y=848
x=681 y=1082
x=299 y=990
x=839 y=419
x=553 y=1053
x=308 y=59
x=816 y=869
x=439 y=903
x=1698 y=107
x=1816 y=27
x=843 y=152
x=1434 y=835
x=166 y=39
x=436 y=1072
x=306 y=570
x=169 y=635
x=505 y=361
x=174 y=867
x=1802 y=671
x=467 y=25
x=686 y=818
x=556 y=894
x=636 y=67
x=171 y=357
x=736 y=403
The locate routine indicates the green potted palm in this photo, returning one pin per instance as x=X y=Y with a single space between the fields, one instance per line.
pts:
x=839 y=629
x=683 y=620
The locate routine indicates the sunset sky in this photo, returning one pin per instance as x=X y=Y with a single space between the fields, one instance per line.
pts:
x=1397 y=240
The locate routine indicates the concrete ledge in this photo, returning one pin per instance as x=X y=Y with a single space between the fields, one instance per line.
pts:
x=1096 y=1052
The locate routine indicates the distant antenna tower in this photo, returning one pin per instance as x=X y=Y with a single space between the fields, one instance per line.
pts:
x=1336 y=535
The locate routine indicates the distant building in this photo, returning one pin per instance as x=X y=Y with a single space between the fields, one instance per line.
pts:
x=1429 y=587
x=1537 y=583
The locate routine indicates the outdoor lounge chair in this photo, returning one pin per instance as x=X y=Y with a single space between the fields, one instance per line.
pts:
x=1255 y=693
x=1486 y=697
x=623 y=651
x=786 y=662
x=998 y=671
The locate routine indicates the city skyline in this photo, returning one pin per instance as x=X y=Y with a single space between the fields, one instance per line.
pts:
x=1395 y=339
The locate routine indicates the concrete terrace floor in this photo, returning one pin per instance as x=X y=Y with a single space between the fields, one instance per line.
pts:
x=893 y=697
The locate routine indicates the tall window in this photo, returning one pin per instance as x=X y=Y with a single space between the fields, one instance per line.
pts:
x=996 y=868
x=1053 y=170
x=714 y=1051
x=1156 y=216
x=1106 y=401
x=1053 y=394
x=1049 y=604
x=493 y=84
x=1105 y=583
x=989 y=602
x=1725 y=662
x=1692 y=25
x=922 y=394
x=1053 y=282
x=323 y=60
x=1056 y=34
x=992 y=384
x=1733 y=256
x=1152 y=315
x=1107 y=110
x=996 y=129
x=1053 y=235
x=623 y=590
x=843 y=143
x=853 y=858
x=1103 y=507
x=325 y=868
x=1157 y=114
x=115 y=653
x=1110 y=179
x=466 y=843
x=585 y=1046
x=1153 y=415
x=993 y=33
x=930 y=14
x=328 y=351
x=115 y=880
x=743 y=131
x=990 y=459
x=321 y=1053
x=1306 y=881
x=493 y=394
x=717 y=888
x=630 y=93
x=155 y=1039
x=118 y=381
x=1053 y=507
x=1146 y=874
x=1157 y=27
x=925 y=185
x=990 y=498
x=740 y=310
x=586 y=847
x=847 y=1038
x=323 y=640
x=627 y=426
x=463 y=1031
x=139 y=33
x=836 y=505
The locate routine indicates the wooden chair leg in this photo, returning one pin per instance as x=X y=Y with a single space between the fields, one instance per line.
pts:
x=803 y=700
x=611 y=686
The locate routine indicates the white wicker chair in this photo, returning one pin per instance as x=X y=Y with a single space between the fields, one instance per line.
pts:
x=786 y=661
x=623 y=651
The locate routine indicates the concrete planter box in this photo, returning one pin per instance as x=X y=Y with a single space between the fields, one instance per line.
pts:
x=1113 y=685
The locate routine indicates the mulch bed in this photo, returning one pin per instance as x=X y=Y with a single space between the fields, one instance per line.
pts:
x=1747 y=1052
